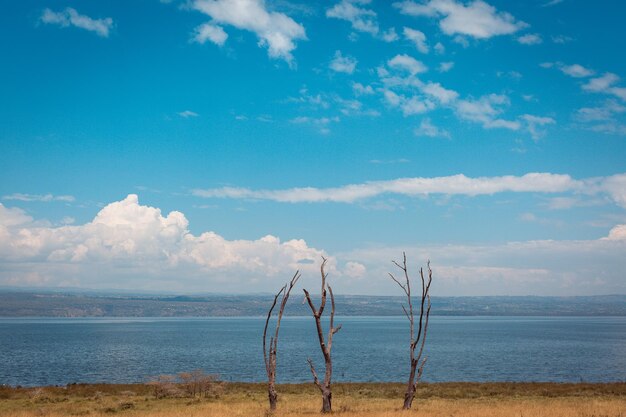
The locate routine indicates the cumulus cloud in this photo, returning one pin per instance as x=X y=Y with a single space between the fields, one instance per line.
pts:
x=129 y=245
x=617 y=233
x=418 y=38
x=476 y=19
x=362 y=90
x=575 y=70
x=70 y=17
x=441 y=94
x=133 y=246
x=407 y=63
x=275 y=31
x=409 y=105
x=210 y=32
x=341 y=63
x=401 y=74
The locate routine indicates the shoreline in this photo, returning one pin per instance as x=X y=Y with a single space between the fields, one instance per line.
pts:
x=449 y=389
x=458 y=399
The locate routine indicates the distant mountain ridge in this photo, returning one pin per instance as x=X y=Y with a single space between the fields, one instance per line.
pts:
x=72 y=304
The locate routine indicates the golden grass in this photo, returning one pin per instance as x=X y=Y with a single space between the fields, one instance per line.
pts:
x=350 y=400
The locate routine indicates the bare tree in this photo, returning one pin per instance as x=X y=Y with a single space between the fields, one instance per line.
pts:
x=326 y=348
x=270 y=357
x=417 y=362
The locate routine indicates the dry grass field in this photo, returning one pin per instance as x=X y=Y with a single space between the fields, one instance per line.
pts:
x=235 y=399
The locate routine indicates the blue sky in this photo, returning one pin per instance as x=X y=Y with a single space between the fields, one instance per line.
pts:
x=217 y=145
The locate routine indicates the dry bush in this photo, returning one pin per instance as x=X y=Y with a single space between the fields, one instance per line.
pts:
x=187 y=384
x=197 y=383
x=165 y=386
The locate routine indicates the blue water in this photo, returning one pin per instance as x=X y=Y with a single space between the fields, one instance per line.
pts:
x=61 y=351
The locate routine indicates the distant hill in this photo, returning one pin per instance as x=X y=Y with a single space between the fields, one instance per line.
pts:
x=69 y=304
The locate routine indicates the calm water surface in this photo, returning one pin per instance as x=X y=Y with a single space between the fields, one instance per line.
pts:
x=563 y=349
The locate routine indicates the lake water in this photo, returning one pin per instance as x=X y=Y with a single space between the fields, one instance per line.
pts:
x=562 y=349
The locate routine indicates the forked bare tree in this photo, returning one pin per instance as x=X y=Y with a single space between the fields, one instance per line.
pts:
x=270 y=357
x=326 y=347
x=419 y=338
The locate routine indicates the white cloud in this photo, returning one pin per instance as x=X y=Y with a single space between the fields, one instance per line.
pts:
x=70 y=17
x=439 y=48
x=561 y=39
x=187 y=114
x=426 y=128
x=407 y=63
x=210 y=32
x=534 y=124
x=129 y=245
x=362 y=90
x=576 y=71
x=530 y=39
x=605 y=112
x=12 y=216
x=132 y=246
x=321 y=123
x=605 y=84
x=538 y=267
x=486 y=110
x=476 y=19
x=276 y=31
x=390 y=35
x=354 y=270
x=441 y=94
x=418 y=38
x=604 y=118
x=552 y=3
x=361 y=19
x=39 y=197
x=409 y=105
x=446 y=66
x=617 y=233
x=614 y=186
x=345 y=64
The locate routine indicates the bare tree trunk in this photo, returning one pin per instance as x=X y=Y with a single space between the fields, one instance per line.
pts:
x=270 y=357
x=326 y=348
x=416 y=372
x=272 y=395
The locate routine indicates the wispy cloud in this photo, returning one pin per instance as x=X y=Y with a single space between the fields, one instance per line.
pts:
x=614 y=186
x=45 y=198
x=606 y=85
x=530 y=39
x=417 y=38
x=70 y=17
x=186 y=114
x=361 y=18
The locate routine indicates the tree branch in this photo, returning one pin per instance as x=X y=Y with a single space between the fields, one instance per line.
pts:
x=316 y=381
